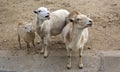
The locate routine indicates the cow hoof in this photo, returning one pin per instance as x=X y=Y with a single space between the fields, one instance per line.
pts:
x=81 y=66
x=69 y=67
x=45 y=56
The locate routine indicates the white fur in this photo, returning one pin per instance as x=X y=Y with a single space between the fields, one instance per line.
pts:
x=50 y=26
x=26 y=32
x=75 y=34
x=28 y=27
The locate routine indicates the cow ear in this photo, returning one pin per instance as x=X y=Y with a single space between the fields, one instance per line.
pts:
x=35 y=11
x=71 y=19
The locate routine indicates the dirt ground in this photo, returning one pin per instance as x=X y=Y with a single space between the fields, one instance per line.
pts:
x=104 y=35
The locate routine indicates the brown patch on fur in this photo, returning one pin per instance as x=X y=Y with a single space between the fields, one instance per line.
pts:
x=21 y=22
x=68 y=37
x=73 y=14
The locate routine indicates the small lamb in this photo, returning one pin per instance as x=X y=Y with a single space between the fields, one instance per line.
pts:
x=75 y=34
x=27 y=33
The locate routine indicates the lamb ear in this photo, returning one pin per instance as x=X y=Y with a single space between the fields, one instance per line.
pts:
x=71 y=19
x=35 y=11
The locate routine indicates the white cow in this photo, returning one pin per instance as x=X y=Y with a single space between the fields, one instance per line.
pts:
x=49 y=24
x=75 y=34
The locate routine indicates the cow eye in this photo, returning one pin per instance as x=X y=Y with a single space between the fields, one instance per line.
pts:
x=78 y=19
x=71 y=20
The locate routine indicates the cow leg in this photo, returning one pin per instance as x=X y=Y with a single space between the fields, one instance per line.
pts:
x=69 y=58
x=46 y=40
x=80 y=58
x=42 y=50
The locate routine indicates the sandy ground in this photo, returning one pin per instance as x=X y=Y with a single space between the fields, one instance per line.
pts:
x=104 y=35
